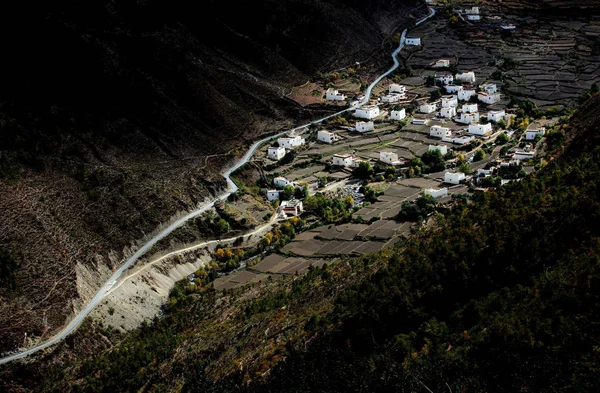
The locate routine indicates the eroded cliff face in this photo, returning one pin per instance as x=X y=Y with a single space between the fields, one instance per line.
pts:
x=116 y=115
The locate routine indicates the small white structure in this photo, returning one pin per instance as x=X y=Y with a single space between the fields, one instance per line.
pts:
x=466 y=93
x=389 y=157
x=412 y=41
x=488 y=98
x=489 y=88
x=468 y=118
x=293 y=207
x=449 y=101
x=480 y=129
x=445 y=79
x=472 y=11
x=496 y=116
x=272 y=195
x=508 y=27
x=453 y=88
x=523 y=155
x=448 y=113
x=326 y=136
x=473 y=18
x=439 y=131
x=436 y=192
x=427 y=108
x=364 y=126
x=459 y=140
x=281 y=181
x=441 y=148
x=291 y=142
x=398 y=115
x=391 y=98
x=334 y=95
x=454 y=177
x=470 y=108
x=532 y=133
x=468 y=77
x=396 y=88
x=344 y=160
x=367 y=112
x=276 y=153
x=442 y=63
x=420 y=122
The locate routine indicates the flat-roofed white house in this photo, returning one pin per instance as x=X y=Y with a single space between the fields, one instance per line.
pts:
x=333 y=95
x=290 y=142
x=453 y=88
x=472 y=11
x=533 y=132
x=393 y=97
x=293 y=207
x=449 y=101
x=427 y=108
x=367 y=112
x=448 y=113
x=326 y=136
x=466 y=93
x=454 y=177
x=442 y=63
x=276 y=153
x=439 y=131
x=468 y=118
x=389 y=157
x=470 y=108
x=488 y=98
x=436 y=192
x=468 y=77
x=344 y=160
x=459 y=140
x=480 y=129
x=396 y=88
x=489 y=88
x=412 y=41
x=272 y=195
x=398 y=115
x=420 y=122
x=473 y=18
x=445 y=79
x=441 y=148
x=364 y=126
x=523 y=155
x=496 y=116
x=281 y=181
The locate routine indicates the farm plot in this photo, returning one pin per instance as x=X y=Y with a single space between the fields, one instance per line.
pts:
x=238 y=279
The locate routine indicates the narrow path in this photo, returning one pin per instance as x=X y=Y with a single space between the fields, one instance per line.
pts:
x=231 y=188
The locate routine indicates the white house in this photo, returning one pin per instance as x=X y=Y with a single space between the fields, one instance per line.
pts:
x=489 y=88
x=427 y=108
x=364 y=126
x=473 y=17
x=389 y=157
x=496 y=116
x=344 y=160
x=441 y=148
x=480 y=129
x=442 y=63
x=454 y=177
x=468 y=118
x=445 y=79
x=524 y=155
x=281 y=181
x=472 y=11
x=439 y=131
x=396 y=88
x=488 y=98
x=466 y=93
x=453 y=88
x=394 y=97
x=470 y=108
x=276 y=153
x=326 y=136
x=293 y=207
x=459 y=140
x=436 y=192
x=449 y=101
x=531 y=133
x=448 y=113
x=291 y=142
x=468 y=77
x=398 y=115
x=272 y=195
x=367 y=112
x=334 y=95
x=420 y=122
x=412 y=41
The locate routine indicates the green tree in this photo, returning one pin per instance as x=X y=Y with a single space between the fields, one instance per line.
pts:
x=502 y=139
x=434 y=161
x=479 y=155
x=222 y=226
x=465 y=168
x=364 y=170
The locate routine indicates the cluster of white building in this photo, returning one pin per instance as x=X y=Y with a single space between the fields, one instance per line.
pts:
x=345 y=160
x=276 y=153
x=333 y=95
x=472 y=14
